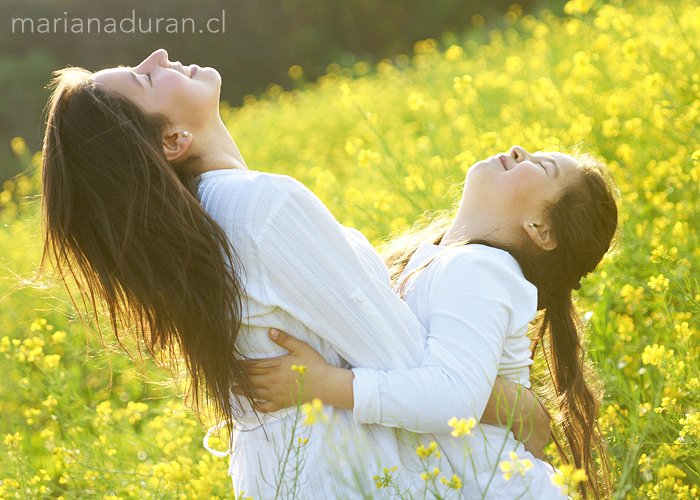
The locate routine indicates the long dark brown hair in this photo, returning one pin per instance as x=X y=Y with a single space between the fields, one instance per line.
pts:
x=124 y=224
x=584 y=222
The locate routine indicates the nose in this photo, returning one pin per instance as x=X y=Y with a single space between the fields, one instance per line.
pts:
x=519 y=153
x=157 y=58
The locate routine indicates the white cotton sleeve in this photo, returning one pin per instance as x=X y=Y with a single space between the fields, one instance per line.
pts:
x=470 y=312
x=313 y=272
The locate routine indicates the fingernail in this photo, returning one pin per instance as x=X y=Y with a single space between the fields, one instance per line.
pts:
x=274 y=333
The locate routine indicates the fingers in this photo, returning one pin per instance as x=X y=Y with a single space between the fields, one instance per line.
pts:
x=260 y=392
x=285 y=340
x=263 y=383
x=262 y=405
x=260 y=366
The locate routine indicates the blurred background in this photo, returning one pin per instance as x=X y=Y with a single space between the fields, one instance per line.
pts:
x=252 y=43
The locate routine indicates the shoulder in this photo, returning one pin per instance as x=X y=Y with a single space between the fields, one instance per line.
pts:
x=251 y=197
x=224 y=183
x=489 y=270
x=475 y=256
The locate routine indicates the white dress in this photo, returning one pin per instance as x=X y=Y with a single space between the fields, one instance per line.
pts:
x=309 y=276
x=476 y=305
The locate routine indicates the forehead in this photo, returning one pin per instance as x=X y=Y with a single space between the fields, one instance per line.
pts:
x=120 y=79
x=564 y=161
x=566 y=166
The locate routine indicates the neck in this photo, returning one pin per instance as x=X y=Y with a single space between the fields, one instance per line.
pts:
x=216 y=148
x=468 y=226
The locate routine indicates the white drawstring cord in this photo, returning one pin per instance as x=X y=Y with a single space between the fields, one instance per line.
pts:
x=216 y=453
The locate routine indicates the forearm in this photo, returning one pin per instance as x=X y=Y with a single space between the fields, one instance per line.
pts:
x=334 y=388
x=421 y=399
x=511 y=404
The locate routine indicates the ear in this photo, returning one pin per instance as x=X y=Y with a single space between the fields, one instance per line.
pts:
x=176 y=144
x=541 y=235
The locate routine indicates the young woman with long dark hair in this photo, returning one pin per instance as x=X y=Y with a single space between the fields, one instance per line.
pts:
x=149 y=207
x=528 y=228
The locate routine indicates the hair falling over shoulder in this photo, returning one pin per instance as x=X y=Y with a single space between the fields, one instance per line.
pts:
x=125 y=226
x=584 y=220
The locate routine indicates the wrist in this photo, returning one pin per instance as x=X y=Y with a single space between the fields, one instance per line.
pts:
x=337 y=387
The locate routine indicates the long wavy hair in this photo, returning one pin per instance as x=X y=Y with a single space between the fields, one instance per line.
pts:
x=125 y=225
x=584 y=221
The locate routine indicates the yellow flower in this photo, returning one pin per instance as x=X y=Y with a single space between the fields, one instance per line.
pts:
x=40 y=324
x=514 y=466
x=58 y=337
x=513 y=65
x=455 y=483
x=429 y=476
x=12 y=439
x=50 y=402
x=560 y=480
x=424 y=452
x=314 y=412
x=658 y=254
x=52 y=360
x=506 y=468
x=461 y=427
x=653 y=355
x=567 y=475
x=579 y=476
x=578 y=6
x=299 y=368
x=454 y=53
x=658 y=283
x=19 y=147
x=385 y=480
x=415 y=101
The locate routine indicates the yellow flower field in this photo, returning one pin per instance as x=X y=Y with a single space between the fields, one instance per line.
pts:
x=381 y=146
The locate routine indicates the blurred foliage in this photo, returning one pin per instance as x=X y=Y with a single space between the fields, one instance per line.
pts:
x=23 y=95
x=261 y=41
x=381 y=145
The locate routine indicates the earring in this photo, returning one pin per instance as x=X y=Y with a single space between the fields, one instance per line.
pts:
x=532 y=224
x=185 y=133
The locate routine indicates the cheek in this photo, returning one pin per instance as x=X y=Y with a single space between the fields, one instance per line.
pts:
x=521 y=192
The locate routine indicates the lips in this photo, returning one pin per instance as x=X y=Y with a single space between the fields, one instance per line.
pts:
x=188 y=71
x=193 y=69
x=503 y=162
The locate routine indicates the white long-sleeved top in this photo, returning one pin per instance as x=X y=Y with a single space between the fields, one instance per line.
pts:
x=476 y=305
x=307 y=275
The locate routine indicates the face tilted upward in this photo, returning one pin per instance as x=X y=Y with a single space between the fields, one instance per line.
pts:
x=187 y=95
x=506 y=197
x=517 y=182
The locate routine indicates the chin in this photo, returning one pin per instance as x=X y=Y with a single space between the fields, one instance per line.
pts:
x=214 y=73
x=477 y=167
